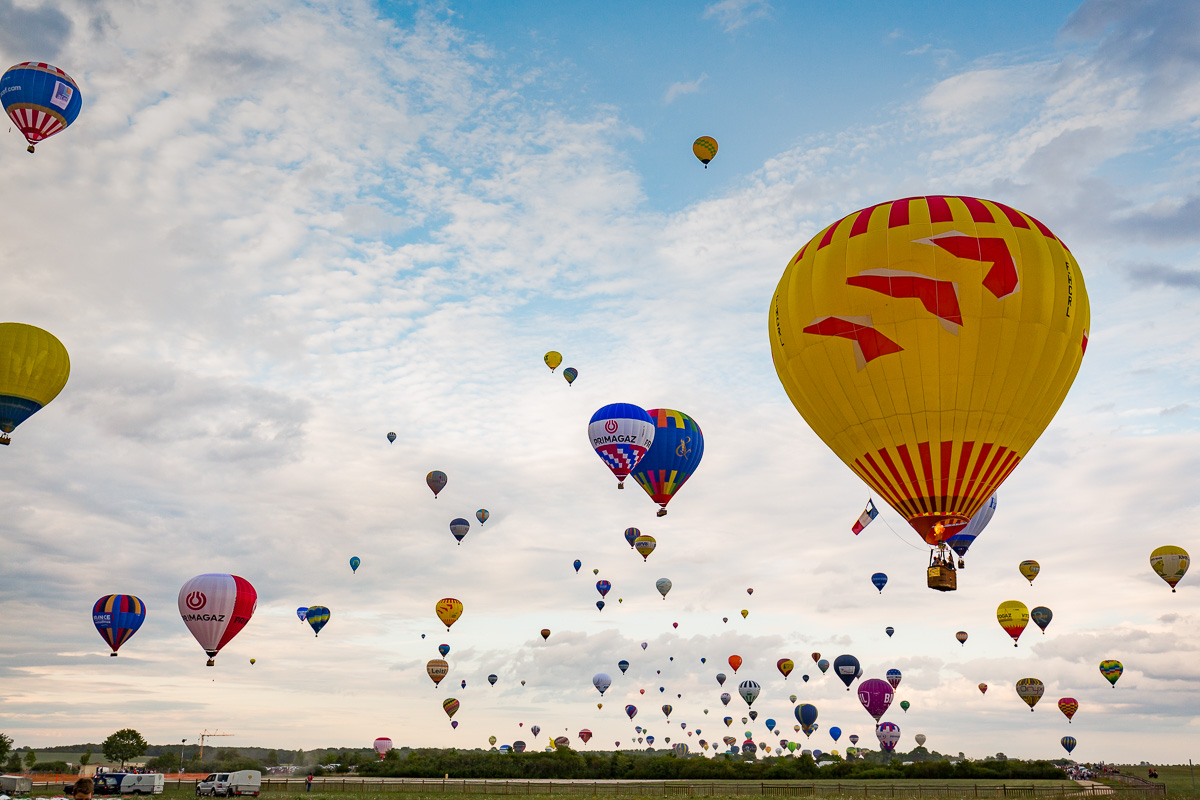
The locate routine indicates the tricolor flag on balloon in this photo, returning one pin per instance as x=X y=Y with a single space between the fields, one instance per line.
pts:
x=864 y=519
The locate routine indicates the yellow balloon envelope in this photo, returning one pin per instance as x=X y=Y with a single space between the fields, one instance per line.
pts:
x=705 y=149
x=1030 y=569
x=34 y=367
x=929 y=341
x=552 y=359
x=1030 y=690
x=1170 y=563
x=437 y=669
x=448 y=611
x=1013 y=616
x=645 y=546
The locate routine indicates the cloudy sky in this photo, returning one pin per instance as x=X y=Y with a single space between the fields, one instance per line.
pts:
x=278 y=231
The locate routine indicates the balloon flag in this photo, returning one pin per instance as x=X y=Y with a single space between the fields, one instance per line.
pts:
x=1030 y=569
x=215 y=607
x=889 y=630
x=41 y=100
x=735 y=661
x=1068 y=743
x=963 y=536
x=437 y=669
x=601 y=681
x=436 y=481
x=603 y=587
x=920 y=737
x=905 y=705
x=383 y=745
x=875 y=696
x=880 y=581
x=493 y=678
x=888 y=734
x=600 y=604
x=577 y=564
x=983 y=688
x=1030 y=690
x=854 y=738
x=545 y=634
x=585 y=735
x=1170 y=563
x=1013 y=616
x=459 y=527
x=672 y=458
x=482 y=515
x=785 y=667
x=450 y=706
x=302 y=612
x=317 y=617
x=622 y=665
x=962 y=637
x=893 y=678
x=631 y=711
x=621 y=433
x=34 y=365
x=749 y=691
x=1112 y=671
x=663 y=585
x=570 y=374
x=117 y=617
x=835 y=732
x=823 y=665
x=847 y=669
x=552 y=359
x=391 y=436
x=1068 y=706
x=806 y=715
x=667 y=712
x=444 y=649
x=705 y=149
x=631 y=535
x=355 y=563
x=878 y=329
x=645 y=546
x=864 y=519
x=448 y=611
x=1041 y=617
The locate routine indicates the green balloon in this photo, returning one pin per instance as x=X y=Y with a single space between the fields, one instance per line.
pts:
x=905 y=705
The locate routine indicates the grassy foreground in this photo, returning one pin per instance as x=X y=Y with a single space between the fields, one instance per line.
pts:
x=1177 y=779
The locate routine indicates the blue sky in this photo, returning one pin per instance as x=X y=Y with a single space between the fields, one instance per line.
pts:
x=277 y=232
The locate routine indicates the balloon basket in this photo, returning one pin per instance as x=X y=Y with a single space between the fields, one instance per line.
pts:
x=29 y=149
x=112 y=655
x=942 y=578
x=5 y=439
x=662 y=512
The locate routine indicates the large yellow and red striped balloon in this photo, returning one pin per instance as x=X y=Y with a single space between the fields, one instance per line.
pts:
x=929 y=341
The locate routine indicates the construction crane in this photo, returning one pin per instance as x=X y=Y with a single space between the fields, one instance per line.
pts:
x=207 y=734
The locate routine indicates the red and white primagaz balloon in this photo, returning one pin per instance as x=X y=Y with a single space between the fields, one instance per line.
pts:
x=216 y=607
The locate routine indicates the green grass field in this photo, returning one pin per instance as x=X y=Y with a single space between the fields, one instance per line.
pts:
x=1177 y=779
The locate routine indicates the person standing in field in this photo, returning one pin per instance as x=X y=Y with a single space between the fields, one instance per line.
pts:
x=308 y=783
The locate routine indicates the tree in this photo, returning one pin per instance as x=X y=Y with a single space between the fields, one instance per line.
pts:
x=5 y=746
x=124 y=745
x=272 y=758
x=30 y=759
x=85 y=758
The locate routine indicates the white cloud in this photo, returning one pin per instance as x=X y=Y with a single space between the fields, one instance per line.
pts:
x=680 y=88
x=734 y=14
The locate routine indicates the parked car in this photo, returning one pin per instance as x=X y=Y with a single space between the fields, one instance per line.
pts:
x=231 y=784
x=128 y=783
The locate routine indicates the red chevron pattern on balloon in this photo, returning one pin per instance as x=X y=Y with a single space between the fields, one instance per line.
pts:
x=869 y=344
x=940 y=298
x=1001 y=280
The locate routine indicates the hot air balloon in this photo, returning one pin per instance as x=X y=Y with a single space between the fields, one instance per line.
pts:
x=600 y=604
x=749 y=691
x=835 y=732
x=585 y=735
x=735 y=661
x=459 y=527
x=545 y=634
x=436 y=481
x=983 y=688
x=482 y=515
x=745 y=613
x=879 y=580
x=492 y=740
x=631 y=711
x=667 y=712
x=215 y=607
x=391 y=437
x=444 y=649
x=846 y=668
x=570 y=374
x=930 y=360
x=535 y=730
x=1111 y=670
x=644 y=645
x=672 y=458
x=603 y=587
x=317 y=618
x=815 y=657
x=792 y=698
x=302 y=612
x=963 y=536
x=785 y=666
x=450 y=706
x=448 y=611
x=253 y=661
x=893 y=678
x=705 y=149
x=596 y=572
x=888 y=734
x=40 y=99
x=493 y=678
x=806 y=715
x=117 y=617
x=854 y=738
x=383 y=745
x=753 y=715
x=721 y=678
x=1068 y=743
x=437 y=669
x=621 y=434
x=1068 y=706
x=1041 y=617
x=889 y=630
x=1030 y=569
x=823 y=665
x=725 y=698
x=34 y=365
x=1030 y=690
x=1013 y=616
x=601 y=681
x=355 y=563
x=518 y=746
x=962 y=637
x=622 y=665
x=920 y=737
x=905 y=706
x=552 y=359
x=645 y=546
x=1170 y=563
x=663 y=585
x=875 y=696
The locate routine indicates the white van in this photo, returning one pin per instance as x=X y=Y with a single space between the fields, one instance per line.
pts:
x=16 y=784
x=231 y=784
x=129 y=783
